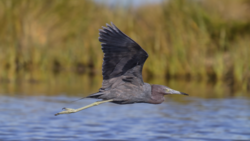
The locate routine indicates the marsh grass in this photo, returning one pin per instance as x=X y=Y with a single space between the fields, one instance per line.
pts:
x=185 y=39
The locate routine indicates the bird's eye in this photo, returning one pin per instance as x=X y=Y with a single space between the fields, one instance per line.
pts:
x=167 y=90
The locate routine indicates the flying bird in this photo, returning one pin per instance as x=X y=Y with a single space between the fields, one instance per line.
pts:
x=122 y=73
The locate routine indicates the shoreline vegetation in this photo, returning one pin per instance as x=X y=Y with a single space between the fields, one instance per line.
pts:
x=205 y=41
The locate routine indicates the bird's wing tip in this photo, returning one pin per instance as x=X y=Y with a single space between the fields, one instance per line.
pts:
x=107 y=24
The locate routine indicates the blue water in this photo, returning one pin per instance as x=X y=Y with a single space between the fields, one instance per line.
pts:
x=192 y=119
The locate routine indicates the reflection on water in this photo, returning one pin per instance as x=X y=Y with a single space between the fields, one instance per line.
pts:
x=213 y=111
x=32 y=118
x=72 y=84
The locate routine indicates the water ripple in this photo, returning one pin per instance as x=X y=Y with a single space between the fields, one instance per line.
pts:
x=32 y=118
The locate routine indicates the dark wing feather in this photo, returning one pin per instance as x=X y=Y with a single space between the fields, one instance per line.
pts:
x=122 y=55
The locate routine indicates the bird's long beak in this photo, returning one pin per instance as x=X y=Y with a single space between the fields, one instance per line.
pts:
x=171 y=91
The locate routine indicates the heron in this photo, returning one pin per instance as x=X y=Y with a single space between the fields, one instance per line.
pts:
x=122 y=73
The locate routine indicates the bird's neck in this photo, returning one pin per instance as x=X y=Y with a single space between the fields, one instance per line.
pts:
x=156 y=97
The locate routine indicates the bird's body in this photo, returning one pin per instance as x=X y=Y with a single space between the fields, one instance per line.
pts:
x=133 y=93
x=122 y=72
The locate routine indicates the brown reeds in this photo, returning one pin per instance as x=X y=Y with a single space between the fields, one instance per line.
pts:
x=202 y=40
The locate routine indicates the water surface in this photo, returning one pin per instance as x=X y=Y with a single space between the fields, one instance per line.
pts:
x=189 y=119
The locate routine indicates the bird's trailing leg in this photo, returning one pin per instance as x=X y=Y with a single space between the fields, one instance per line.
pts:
x=69 y=110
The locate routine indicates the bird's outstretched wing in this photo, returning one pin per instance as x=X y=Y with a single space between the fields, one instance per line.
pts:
x=123 y=57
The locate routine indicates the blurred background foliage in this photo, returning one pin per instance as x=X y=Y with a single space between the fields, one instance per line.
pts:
x=56 y=41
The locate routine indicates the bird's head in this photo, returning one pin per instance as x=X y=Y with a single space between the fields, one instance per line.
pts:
x=160 y=89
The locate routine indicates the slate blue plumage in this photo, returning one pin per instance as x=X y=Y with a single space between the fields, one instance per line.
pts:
x=122 y=71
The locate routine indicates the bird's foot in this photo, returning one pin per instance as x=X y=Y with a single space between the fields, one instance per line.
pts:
x=66 y=111
x=69 y=110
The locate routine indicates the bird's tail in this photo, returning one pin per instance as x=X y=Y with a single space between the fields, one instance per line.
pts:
x=76 y=100
x=95 y=95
